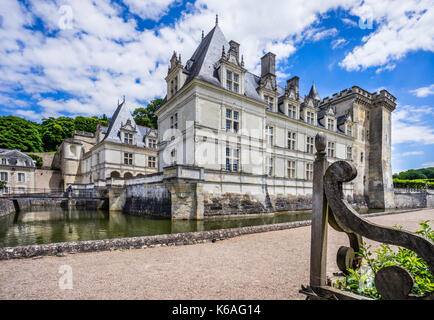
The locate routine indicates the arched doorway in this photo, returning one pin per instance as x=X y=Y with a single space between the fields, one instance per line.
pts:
x=128 y=175
x=115 y=174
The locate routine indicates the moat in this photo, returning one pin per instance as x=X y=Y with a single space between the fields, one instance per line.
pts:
x=54 y=225
x=58 y=225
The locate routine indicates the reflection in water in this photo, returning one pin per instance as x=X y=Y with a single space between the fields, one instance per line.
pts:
x=58 y=225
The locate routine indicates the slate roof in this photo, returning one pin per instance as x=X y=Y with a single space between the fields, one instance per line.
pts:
x=13 y=155
x=119 y=119
x=202 y=64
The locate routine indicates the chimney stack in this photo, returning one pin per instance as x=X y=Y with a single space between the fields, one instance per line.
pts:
x=268 y=64
x=293 y=84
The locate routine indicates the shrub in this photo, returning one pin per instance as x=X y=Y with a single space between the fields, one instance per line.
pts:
x=38 y=160
x=361 y=280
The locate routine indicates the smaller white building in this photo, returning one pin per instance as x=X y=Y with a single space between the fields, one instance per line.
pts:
x=17 y=170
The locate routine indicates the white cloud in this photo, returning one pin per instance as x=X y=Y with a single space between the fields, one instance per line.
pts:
x=350 y=22
x=403 y=26
x=412 y=153
x=410 y=125
x=428 y=164
x=424 y=91
x=149 y=9
x=339 y=43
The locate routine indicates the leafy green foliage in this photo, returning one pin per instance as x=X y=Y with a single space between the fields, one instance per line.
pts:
x=19 y=133
x=413 y=184
x=146 y=116
x=3 y=184
x=38 y=160
x=55 y=130
x=362 y=282
x=413 y=174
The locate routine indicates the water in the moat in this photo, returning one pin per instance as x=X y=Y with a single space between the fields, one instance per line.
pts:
x=59 y=225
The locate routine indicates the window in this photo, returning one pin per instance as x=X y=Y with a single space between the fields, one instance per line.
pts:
x=310 y=117
x=232 y=81
x=269 y=135
x=309 y=144
x=330 y=124
x=152 y=162
x=128 y=138
x=331 y=149
x=174 y=86
x=128 y=159
x=232 y=159
x=270 y=166
x=361 y=157
x=3 y=176
x=291 y=169
x=4 y=161
x=152 y=143
x=309 y=171
x=292 y=140
x=21 y=177
x=173 y=154
x=350 y=130
x=174 y=121
x=349 y=153
x=270 y=101
x=232 y=120
x=292 y=112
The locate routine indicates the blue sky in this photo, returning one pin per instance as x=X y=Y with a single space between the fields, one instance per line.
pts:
x=64 y=57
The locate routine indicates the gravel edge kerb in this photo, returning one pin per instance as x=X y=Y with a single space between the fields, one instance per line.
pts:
x=150 y=241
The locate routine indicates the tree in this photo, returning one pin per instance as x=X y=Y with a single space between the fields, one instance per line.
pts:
x=38 y=160
x=19 y=133
x=146 y=116
x=55 y=130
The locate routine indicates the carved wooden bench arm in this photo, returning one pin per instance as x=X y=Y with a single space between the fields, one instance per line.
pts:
x=392 y=282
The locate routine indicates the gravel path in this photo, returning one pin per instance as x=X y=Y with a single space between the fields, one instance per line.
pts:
x=262 y=266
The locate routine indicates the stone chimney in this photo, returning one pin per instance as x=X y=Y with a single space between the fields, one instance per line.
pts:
x=268 y=64
x=293 y=84
x=235 y=48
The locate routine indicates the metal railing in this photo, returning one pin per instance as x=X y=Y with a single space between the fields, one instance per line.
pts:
x=22 y=192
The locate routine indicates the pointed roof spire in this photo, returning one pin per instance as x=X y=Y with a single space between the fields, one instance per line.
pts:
x=203 y=35
x=313 y=93
x=216 y=19
x=242 y=60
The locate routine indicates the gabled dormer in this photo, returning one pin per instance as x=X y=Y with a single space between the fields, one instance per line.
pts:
x=267 y=84
x=327 y=118
x=175 y=76
x=128 y=133
x=231 y=69
x=345 y=124
x=289 y=103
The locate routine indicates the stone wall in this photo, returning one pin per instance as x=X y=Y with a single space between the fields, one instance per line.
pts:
x=144 y=199
x=411 y=200
x=6 y=207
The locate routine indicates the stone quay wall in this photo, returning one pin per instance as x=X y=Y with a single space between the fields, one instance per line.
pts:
x=408 y=199
x=6 y=207
x=153 y=200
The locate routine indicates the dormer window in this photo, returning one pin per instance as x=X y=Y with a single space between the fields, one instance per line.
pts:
x=331 y=124
x=4 y=161
x=152 y=143
x=128 y=138
x=270 y=102
x=310 y=117
x=292 y=112
x=174 y=86
x=350 y=130
x=174 y=121
x=233 y=81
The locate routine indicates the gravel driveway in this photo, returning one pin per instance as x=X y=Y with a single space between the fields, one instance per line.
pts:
x=264 y=266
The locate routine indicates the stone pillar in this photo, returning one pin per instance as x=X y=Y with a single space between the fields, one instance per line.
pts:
x=117 y=198
x=380 y=188
x=187 y=200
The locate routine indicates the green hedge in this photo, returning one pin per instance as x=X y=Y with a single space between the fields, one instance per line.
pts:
x=413 y=184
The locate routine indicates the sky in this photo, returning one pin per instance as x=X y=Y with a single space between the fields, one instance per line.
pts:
x=79 y=57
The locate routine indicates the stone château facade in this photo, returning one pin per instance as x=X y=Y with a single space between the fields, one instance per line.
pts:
x=249 y=139
x=123 y=150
